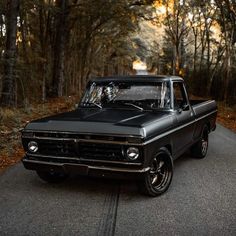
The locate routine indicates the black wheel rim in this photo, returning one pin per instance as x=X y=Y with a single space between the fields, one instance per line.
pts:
x=204 y=145
x=160 y=172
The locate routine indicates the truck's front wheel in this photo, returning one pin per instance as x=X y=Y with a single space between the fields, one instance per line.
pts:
x=157 y=180
x=51 y=177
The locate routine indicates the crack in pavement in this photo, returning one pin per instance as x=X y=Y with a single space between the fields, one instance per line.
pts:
x=108 y=221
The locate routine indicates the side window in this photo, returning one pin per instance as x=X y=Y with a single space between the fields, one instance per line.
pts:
x=179 y=95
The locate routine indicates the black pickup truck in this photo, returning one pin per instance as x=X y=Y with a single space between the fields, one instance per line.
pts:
x=124 y=127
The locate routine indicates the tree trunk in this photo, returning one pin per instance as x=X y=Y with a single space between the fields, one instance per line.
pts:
x=195 y=55
x=58 y=79
x=227 y=71
x=9 y=80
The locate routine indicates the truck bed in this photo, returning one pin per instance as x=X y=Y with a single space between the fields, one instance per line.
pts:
x=197 y=101
x=203 y=107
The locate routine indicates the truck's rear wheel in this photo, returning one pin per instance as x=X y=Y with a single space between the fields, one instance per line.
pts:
x=52 y=177
x=157 y=180
x=199 y=149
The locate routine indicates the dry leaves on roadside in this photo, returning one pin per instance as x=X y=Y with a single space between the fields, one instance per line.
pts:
x=13 y=120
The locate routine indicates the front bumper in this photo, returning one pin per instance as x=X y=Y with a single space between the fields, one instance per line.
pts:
x=84 y=169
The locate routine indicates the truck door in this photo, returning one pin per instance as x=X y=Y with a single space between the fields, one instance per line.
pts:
x=184 y=115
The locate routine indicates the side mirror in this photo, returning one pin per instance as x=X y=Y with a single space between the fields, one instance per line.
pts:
x=185 y=107
x=180 y=110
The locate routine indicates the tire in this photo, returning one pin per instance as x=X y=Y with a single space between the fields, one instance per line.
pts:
x=158 y=179
x=199 y=150
x=51 y=177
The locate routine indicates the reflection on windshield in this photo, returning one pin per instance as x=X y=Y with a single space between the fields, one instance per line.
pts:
x=144 y=95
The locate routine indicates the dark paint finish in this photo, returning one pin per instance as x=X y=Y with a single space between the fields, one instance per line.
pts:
x=122 y=117
x=175 y=129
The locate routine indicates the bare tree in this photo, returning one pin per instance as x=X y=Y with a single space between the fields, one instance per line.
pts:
x=177 y=31
x=9 y=77
x=58 y=78
x=228 y=26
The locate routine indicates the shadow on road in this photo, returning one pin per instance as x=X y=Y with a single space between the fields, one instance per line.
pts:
x=88 y=185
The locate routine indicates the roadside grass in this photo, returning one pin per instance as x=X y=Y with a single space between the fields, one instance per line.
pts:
x=13 y=120
x=227 y=116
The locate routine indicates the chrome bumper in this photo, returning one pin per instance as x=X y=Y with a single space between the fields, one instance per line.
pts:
x=82 y=169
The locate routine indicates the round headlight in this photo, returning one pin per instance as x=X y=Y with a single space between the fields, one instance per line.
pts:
x=33 y=146
x=132 y=153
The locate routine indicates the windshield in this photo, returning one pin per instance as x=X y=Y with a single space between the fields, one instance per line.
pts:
x=136 y=95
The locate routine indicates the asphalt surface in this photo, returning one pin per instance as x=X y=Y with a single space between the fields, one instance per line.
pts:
x=200 y=201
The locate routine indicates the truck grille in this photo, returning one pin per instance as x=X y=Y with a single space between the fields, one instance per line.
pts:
x=57 y=148
x=81 y=150
x=101 y=151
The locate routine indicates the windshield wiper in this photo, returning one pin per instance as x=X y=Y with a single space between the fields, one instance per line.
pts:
x=133 y=105
x=93 y=103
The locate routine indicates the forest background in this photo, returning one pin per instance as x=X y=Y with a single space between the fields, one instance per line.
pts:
x=49 y=49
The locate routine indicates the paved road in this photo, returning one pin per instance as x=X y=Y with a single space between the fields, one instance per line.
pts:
x=200 y=201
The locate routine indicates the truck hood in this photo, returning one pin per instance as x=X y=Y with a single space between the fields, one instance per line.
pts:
x=105 y=121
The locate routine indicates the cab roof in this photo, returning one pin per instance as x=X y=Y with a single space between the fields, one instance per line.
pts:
x=138 y=78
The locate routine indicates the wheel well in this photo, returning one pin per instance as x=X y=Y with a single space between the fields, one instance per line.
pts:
x=168 y=146
x=208 y=126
